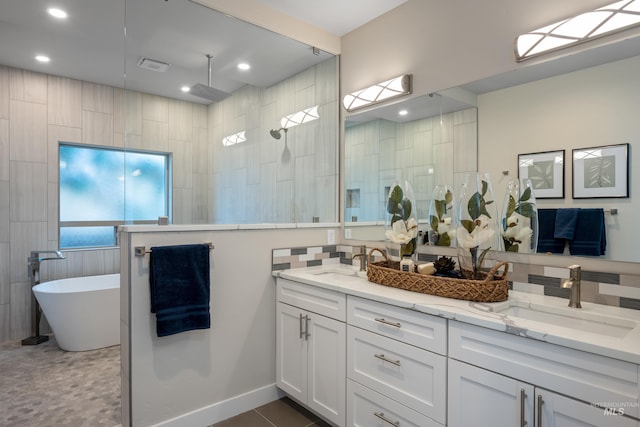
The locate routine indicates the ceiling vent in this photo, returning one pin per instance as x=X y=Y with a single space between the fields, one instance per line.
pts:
x=153 y=65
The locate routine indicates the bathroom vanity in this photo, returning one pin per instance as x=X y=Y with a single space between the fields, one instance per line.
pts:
x=362 y=354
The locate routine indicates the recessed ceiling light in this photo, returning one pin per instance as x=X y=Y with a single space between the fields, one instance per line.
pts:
x=185 y=88
x=244 y=66
x=42 y=58
x=403 y=112
x=57 y=13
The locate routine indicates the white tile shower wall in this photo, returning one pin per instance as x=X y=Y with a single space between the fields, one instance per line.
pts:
x=292 y=179
x=36 y=112
x=422 y=152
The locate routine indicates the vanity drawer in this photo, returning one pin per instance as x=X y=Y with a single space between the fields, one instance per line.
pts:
x=409 y=375
x=412 y=327
x=312 y=298
x=367 y=408
x=582 y=375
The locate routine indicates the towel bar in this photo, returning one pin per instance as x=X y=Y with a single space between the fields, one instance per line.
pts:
x=141 y=250
x=612 y=211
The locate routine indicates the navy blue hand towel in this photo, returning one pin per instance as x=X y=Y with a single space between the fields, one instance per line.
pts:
x=547 y=225
x=566 y=223
x=180 y=288
x=590 y=237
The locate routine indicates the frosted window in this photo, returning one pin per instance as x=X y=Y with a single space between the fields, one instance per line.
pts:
x=101 y=188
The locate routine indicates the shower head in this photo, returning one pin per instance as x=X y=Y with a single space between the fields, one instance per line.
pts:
x=275 y=133
x=207 y=91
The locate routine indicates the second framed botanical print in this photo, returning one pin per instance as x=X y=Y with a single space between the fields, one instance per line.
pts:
x=601 y=172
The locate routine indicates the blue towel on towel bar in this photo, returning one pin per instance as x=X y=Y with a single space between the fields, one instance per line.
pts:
x=566 y=223
x=180 y=288
x=591 y=236
x=547 y=225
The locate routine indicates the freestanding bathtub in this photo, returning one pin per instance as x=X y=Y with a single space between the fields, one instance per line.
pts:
x=83 y=312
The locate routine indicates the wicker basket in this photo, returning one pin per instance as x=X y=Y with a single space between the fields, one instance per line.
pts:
x=493 y=288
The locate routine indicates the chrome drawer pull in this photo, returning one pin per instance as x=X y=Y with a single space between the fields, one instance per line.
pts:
x=385 y=419
x=386 y=322
x=381 y=357
x=523 y=396
x=301 y=325
x=539 y=412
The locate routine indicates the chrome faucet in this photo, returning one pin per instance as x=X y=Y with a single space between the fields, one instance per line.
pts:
x=573 y=284
x=363 y=254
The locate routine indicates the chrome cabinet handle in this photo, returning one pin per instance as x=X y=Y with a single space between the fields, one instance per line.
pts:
x=539 y=412
x=383 y=358
x=301 y=326
x=306 y=328
x=386 y=322
x=523 y=396
x=385 y=419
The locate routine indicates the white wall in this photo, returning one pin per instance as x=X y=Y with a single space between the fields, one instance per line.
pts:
x=447 y=43
x=197 y=377
x=588 y=108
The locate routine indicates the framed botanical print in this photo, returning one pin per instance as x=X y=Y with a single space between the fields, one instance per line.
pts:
x=546 y=172
x=600 y=172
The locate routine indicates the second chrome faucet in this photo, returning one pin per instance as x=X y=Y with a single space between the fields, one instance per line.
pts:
x=573 y=284
x=363 y=254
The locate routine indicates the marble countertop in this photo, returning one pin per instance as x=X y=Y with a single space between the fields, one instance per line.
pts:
x=595 y=328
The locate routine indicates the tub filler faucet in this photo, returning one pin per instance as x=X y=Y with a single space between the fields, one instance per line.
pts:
x=34 y=273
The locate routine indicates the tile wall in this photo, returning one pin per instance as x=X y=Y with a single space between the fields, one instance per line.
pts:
x=619 y=290
x=37 y=111
x=292 y=179
x=425 y=152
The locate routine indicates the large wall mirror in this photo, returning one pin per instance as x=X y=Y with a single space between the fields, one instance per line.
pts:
x=262 y=145
x=110 y=88
x=592 y=105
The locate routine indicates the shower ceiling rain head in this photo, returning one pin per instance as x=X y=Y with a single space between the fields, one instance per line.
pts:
x=206 y=91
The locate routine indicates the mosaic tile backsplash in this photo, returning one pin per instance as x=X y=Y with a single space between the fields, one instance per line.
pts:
x=619 y=290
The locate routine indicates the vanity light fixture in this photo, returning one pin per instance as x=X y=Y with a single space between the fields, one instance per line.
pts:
x=300 y=117
x=379 y=92
x=234 y=139
x=606 y=20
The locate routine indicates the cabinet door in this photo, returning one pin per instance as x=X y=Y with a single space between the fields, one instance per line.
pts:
x=481 y=398
x=291 y=351
x=326 y=366
x=555 y=410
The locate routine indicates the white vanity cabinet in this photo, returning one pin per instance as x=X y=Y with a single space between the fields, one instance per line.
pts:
x=497 y=379
x=310 y=347
x=395 y=374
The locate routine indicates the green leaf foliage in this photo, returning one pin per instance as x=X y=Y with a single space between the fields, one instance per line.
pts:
x=511 y=206
x=526 y=210
x=440 y=207
x=468 y=225
x=448 y=198
x=406 y=209
x=475 y=205
x=433 y=221
x=444 y=240
x=481 y=257
x=395 y=218
x=526 y=195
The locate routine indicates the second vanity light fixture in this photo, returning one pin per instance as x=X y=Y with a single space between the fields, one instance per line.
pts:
x=398 y=86
x=615 y=17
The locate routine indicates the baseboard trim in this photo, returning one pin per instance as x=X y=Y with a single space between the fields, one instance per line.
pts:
x=225 y=409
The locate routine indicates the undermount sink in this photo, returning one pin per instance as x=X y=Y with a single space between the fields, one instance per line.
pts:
x=573 y=318
x=341 y=274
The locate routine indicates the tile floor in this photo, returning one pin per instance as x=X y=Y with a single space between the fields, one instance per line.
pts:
x=45 y=386
x=42 y=385
x=280 y=413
